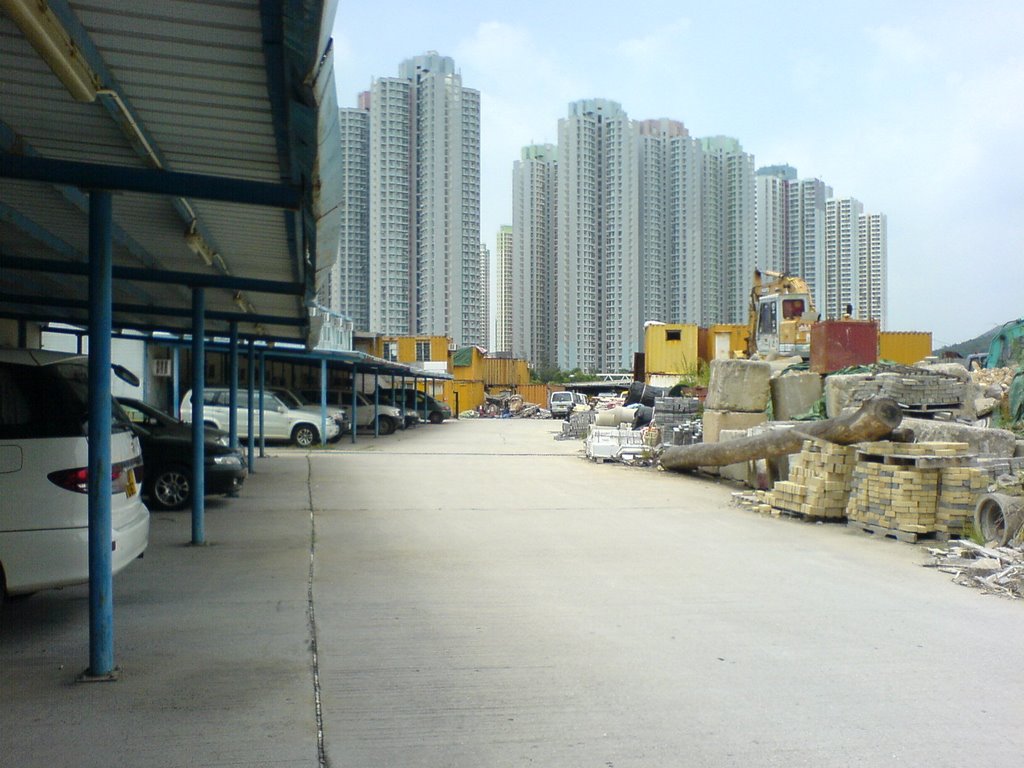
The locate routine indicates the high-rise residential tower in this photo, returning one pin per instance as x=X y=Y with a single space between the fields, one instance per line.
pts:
x=669 y=163
x=350 y=274
x=531 y=320
x=597 y=278
x=771 y=193
x=805 y=240
x=424 y=211
x=727 y=230
x=873 y=294
x=842 y=256
x=503 y=300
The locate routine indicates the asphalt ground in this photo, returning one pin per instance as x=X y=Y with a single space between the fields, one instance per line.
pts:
x=477 y=594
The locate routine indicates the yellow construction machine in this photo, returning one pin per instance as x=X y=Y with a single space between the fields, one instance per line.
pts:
x=781 y=314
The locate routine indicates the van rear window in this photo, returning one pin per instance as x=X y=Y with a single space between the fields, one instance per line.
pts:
x=46 y=401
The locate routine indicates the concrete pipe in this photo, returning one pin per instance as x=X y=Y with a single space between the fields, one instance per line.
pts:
x=998 y=517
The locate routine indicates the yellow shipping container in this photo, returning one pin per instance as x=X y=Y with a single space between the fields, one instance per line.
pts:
x=905 y=347
x=725 y=341
x=671 y=349
x=467 y=364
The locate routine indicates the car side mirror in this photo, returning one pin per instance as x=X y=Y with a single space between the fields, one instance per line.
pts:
x=125 y=375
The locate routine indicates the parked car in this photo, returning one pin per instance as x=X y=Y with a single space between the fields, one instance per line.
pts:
x=389 y=418
x=412 y=401
x=44 y=475
x=285 y=415
x=167 y=453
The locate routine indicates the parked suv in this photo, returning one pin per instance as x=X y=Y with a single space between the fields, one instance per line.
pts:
x=412 y=401
x=389 y=418
x=44 y=474
x=285 y=415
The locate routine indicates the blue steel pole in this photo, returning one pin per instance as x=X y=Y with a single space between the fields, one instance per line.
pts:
x=323 y=402
x=101 y=591
x=376 y=403
x=251 y=436
x=176 y=381
x=355 y=403
x=233 y=386
x=198 y=426
x=263 y=382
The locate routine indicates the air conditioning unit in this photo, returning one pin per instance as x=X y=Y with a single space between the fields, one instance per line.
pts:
x=162 y=367
x=452 y=346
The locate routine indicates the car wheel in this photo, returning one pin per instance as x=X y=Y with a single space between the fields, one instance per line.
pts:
x=436 y=417
x=171 y=488
x=305 y=435
x=385 y=426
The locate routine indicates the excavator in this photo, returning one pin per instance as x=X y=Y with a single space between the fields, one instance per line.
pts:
x=781 y=314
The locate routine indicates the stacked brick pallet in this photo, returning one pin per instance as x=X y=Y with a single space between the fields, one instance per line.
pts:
x=917 y=390
x=819 y=482
x=895 y=486
x=959 y=490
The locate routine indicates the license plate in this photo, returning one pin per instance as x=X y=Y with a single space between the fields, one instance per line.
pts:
x=130 y=488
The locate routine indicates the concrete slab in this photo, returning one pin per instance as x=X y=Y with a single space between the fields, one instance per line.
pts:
x=484 y=596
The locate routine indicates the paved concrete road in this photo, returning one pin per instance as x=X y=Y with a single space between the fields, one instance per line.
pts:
x=484 y=597
x=495 y=600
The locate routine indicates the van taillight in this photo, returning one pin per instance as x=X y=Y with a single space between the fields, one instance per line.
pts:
x=77 y=480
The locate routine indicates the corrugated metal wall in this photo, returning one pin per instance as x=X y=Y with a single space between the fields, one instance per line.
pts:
x=505 y=372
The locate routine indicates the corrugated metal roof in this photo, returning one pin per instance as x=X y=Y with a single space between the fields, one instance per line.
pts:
x=241 y=90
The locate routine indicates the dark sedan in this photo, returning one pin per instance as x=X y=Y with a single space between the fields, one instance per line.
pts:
x=167 y=457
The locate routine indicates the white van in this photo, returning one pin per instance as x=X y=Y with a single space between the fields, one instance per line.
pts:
x=285 y=415
x=44 y=460
x=561 y=404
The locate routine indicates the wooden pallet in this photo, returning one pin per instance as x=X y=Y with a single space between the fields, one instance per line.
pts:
x=890 y=533
x=807 y=518
x=909 y=461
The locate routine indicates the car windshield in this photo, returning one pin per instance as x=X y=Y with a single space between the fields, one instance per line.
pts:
x=289 y=399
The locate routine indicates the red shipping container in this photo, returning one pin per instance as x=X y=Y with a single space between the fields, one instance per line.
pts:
x=838 y=344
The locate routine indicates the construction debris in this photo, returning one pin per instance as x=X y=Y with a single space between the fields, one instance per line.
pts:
x=994 y=570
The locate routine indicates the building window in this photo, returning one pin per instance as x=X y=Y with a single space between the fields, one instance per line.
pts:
x=391 y=351
x=673 y=334
x=422 y=351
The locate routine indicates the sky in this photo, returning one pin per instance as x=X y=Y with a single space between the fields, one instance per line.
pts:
x=914 y=108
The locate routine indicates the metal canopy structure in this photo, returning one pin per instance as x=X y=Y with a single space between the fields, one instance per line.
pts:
x=213 y=124
x=165 y=166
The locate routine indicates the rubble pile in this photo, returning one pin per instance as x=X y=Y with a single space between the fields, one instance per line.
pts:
x=994 y=570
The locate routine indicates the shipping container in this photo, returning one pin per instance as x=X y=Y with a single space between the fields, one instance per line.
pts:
x=670 y=349
x=838 y=344
x=905 y=347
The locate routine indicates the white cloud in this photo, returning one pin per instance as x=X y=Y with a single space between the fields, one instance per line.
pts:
x=900 y=44
x=664 y=42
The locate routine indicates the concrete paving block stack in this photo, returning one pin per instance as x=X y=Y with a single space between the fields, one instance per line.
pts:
x=819 y=484
x=895 y=486
x=918 y=390
x=670 y=411
x=959 y=491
